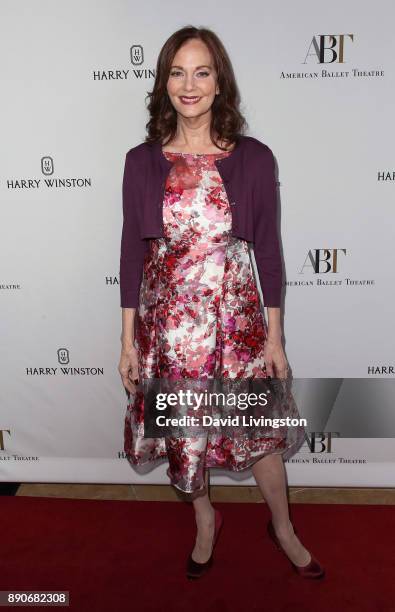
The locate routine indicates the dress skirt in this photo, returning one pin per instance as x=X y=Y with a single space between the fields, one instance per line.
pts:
x=199 y=317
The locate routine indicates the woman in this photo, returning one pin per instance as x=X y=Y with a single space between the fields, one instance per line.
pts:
x=194 y=193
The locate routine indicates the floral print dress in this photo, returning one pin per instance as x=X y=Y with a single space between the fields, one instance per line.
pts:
x=199 y=316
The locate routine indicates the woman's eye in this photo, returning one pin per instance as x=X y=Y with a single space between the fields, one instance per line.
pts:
x=203 y=73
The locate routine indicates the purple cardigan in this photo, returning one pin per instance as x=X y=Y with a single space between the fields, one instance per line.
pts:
x=248 y=174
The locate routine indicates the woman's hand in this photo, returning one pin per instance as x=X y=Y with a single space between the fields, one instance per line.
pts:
x=128 y=368
x=275 y=360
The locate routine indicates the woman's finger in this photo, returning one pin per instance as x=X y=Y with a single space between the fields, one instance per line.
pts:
x=283 y=373
x=269 y=368
x=133 y=376
x=128 y=381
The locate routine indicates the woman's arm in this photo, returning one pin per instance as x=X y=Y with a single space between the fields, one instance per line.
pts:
x=274 y=324
x=128 y=363
x=133 y=247
x=133 y=250
x=127 y=335
x=274 y=356
x=269 y=264
x=266 y=240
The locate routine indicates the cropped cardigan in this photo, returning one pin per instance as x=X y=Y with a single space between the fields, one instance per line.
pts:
x=248 y=174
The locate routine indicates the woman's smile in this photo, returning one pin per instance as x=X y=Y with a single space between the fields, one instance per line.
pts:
x=189 y=99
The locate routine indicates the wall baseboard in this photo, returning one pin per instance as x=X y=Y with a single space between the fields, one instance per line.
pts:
x=218 y=493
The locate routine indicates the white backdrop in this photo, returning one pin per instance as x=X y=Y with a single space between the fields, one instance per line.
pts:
x=73 y=104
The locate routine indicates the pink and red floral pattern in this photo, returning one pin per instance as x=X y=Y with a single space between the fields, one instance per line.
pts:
x=199 y=316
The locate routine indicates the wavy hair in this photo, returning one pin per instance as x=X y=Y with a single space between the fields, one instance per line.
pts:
x=227 y=121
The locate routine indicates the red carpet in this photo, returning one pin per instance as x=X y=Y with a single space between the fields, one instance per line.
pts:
x=124 y=555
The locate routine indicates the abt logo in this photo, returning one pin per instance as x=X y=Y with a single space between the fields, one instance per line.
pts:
x=322 y=260
x=321 y=441
x=328 y=48
x=2 y=432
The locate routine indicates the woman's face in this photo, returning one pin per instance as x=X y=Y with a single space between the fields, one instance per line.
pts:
x=192 y=82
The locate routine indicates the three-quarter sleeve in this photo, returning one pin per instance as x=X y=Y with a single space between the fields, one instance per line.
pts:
x=133 y=247
x=266 y=239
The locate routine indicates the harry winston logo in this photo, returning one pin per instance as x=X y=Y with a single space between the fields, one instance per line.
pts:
x=328 y=48
x=136 y=55
x=138 y=71
x=49 y=181
x=47 y=166
x=63 y=356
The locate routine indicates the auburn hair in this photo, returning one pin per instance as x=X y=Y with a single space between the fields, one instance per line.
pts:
x=227 y=121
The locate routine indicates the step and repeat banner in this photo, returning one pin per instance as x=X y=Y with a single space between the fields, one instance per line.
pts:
x=317 y=84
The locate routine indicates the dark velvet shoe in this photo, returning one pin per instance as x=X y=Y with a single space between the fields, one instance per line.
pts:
x=195 y=569
x=312 y=570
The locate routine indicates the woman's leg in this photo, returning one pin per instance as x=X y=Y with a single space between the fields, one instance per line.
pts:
x=269 y=473
x=205 y=522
